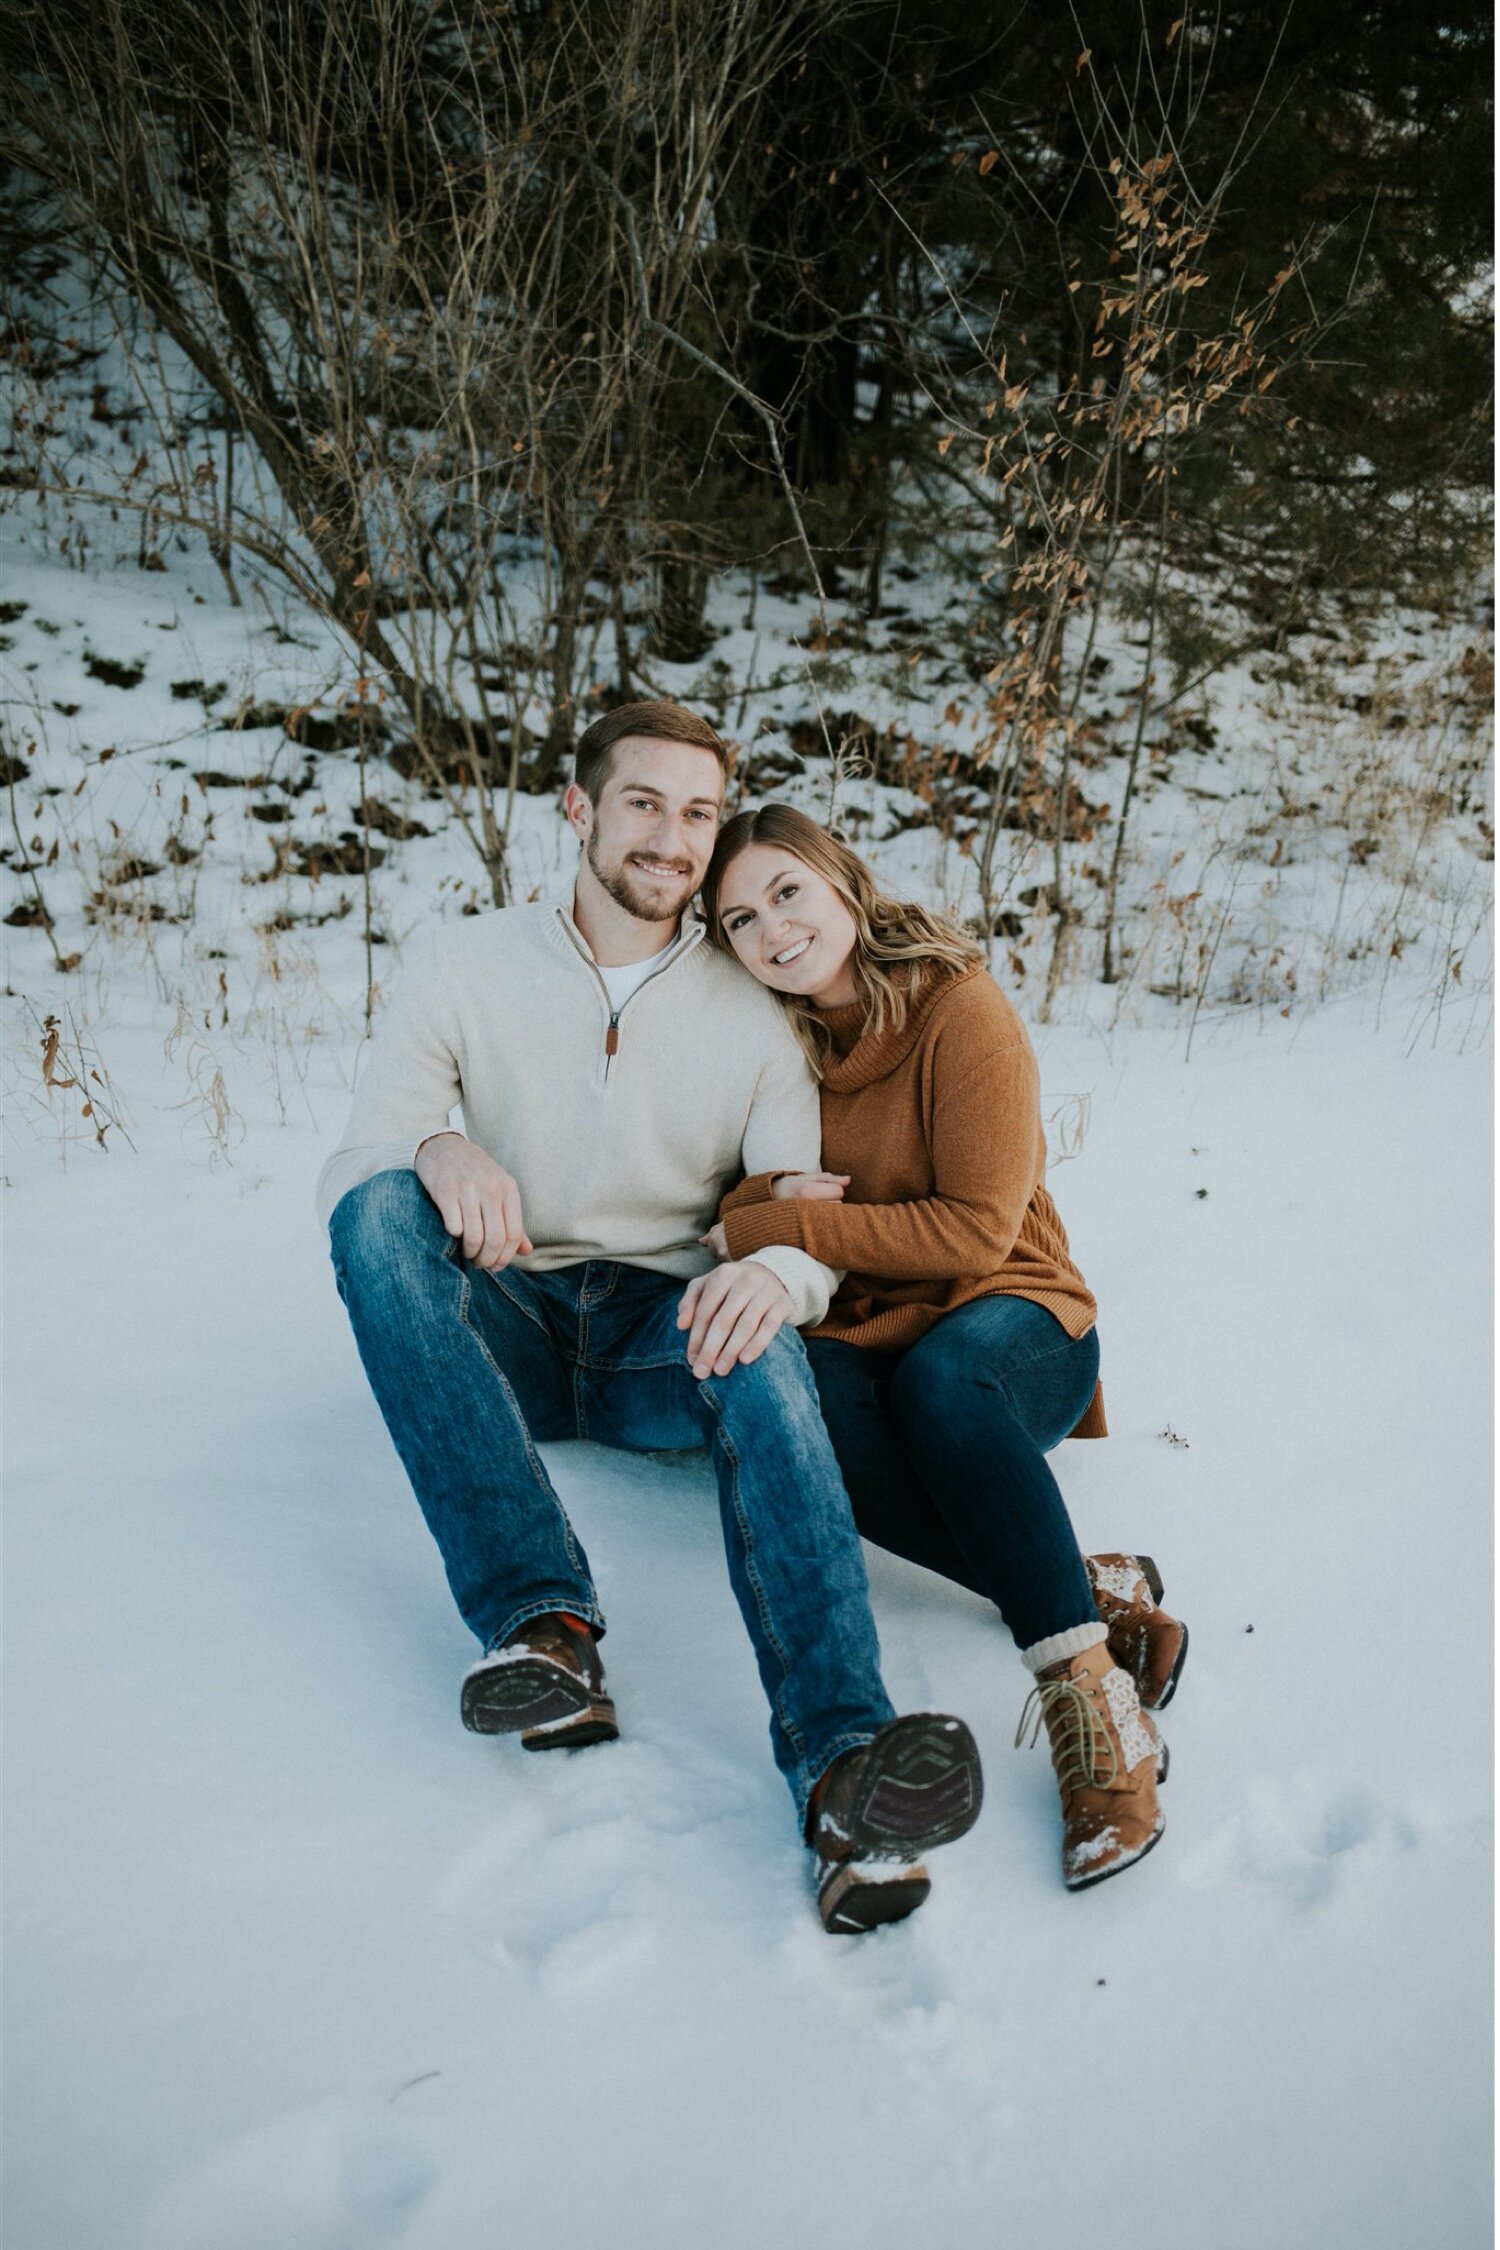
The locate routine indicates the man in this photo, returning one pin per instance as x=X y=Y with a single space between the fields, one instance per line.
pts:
x=539 y=1275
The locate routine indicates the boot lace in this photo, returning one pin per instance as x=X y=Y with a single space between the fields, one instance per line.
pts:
x=1081 y=1742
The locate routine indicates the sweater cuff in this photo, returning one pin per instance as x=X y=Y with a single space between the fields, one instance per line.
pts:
x=756 y=1189
x=809 y=1284
x=756 y=1226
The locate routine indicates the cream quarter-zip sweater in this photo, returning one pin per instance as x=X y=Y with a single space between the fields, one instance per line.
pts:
x=621 y=1129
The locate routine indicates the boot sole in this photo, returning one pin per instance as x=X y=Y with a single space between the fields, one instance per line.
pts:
x=1087 y=1882
x=1173 y=1677
x=849 y=1902
x=923 y=1788
x=546 y=1704
x=1152 y=1577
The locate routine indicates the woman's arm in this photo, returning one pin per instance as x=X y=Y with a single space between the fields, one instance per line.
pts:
x=988 y=1154
x=817 y=1185
x=757 y=1189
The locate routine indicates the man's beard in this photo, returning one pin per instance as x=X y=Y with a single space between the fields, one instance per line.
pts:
x=646 y=906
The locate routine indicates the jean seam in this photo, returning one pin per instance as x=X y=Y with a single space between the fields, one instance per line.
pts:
x=534 y=1459
x=520 y=1305
x=580 y=1401
x=612 y=1366
x=788 y=1725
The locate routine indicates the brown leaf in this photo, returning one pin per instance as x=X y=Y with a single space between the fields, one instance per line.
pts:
x=988 y=161
x=1177 y=26
x=1082 y=64
x=49 y=1056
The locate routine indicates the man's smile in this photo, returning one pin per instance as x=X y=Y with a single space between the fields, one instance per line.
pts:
x=659 y=866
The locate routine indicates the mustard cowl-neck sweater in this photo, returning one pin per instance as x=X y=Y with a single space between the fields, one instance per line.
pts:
x=939 y=1127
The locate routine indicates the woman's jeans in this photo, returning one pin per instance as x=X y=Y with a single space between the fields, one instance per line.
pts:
x=473 y=1370
x=942 y=1450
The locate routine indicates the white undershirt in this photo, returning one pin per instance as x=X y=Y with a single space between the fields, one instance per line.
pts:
x=620 y=983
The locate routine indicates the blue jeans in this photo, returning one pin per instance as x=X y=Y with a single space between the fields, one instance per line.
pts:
x=473 y=1370
x=942 y=1450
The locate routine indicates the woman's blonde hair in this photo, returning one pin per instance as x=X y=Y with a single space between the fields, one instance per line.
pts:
x=898 y=945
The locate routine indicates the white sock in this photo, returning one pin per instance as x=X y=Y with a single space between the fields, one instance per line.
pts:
x=1058 y=1647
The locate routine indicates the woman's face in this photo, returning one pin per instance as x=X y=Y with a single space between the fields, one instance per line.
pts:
x=789 y=925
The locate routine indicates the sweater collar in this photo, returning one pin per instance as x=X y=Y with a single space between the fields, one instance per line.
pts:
x=565 y=931
x=871 y=1056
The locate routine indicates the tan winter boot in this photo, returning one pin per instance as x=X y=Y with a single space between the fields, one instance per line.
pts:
x=1108 y=1758
x=1148 y=1644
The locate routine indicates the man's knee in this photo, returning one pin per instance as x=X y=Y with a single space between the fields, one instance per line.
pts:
x=381 y=1222
x=780 y=1381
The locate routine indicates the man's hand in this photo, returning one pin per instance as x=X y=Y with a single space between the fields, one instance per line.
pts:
x=817 y=1187
x=475 y=1198
x=731 y=1315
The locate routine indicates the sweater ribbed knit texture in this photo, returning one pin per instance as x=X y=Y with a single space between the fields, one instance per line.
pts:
x=618 y=1154
x=939 y=1127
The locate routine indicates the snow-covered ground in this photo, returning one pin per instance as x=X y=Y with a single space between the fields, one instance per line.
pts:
x=296 y=1964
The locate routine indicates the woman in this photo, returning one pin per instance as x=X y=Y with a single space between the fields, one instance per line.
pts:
x=960 y=1347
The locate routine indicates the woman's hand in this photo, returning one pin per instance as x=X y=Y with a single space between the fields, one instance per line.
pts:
x=817 y=1187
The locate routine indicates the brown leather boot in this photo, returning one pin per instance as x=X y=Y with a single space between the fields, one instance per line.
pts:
x=1148 y=1644
x=916 y=1785
x=1107 y=1756
x=545 y=1683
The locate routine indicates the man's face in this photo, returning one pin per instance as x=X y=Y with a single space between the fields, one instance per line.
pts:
x=649 y=839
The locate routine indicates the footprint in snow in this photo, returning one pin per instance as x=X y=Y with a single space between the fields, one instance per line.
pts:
x=1303 y=1834
x=329 y=2178
x=591 y=1860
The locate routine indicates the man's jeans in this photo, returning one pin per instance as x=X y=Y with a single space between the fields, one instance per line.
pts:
x=942 y=1451
x=473 y=1370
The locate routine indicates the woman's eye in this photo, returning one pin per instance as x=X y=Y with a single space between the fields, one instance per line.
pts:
x=788 y=890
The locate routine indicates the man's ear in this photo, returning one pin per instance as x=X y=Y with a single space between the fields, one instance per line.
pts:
x=577 y=810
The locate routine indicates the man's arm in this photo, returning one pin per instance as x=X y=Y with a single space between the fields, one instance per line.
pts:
x=408 y=1082
x=783 y=1133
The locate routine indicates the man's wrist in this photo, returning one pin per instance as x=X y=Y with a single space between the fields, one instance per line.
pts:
x=444 y=1133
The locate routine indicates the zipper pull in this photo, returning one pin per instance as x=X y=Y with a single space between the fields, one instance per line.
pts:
x=612 y=1037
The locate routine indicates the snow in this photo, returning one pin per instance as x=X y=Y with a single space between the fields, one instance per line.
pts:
x=296 y=1963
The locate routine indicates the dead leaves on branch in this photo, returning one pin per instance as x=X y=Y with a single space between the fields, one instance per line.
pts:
x=66 y=1068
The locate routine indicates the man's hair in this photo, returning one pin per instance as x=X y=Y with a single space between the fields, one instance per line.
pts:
x=670 y=722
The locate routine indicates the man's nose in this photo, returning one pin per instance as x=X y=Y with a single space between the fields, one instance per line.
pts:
x=670 y=837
